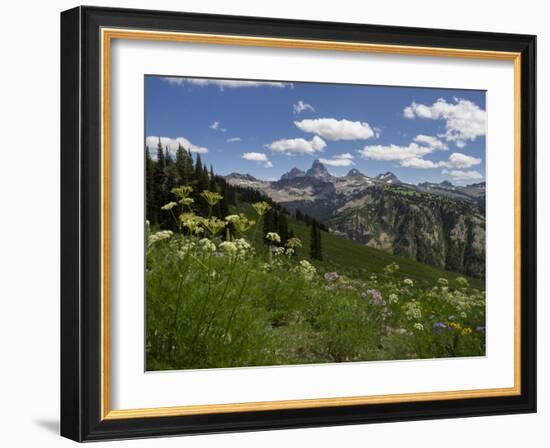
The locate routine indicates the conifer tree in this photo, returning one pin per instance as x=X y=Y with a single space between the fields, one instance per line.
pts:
x=315 y=249
x=150 y=204
x=159 y=191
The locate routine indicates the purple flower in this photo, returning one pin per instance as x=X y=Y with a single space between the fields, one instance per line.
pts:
x=480 y=329
x=376 y=297
x=439 y=327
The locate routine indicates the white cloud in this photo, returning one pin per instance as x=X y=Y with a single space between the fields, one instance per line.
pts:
x=222 y=83
x=172 y=143
x=216 y=127
x=394 y=152
x=300 y=106
x=412 y=156
x=339 y=160
x=459 y=160
x=464 y=120
x=463 y=176
x=417 y=162
x=258 y=157
x=333 y=129
x=234 y=139
x=298 y=146
x=430 y=141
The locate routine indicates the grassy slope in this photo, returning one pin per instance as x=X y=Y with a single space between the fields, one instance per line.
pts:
x=346 y=256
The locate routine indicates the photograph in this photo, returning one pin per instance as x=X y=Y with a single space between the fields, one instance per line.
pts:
x=292 y=223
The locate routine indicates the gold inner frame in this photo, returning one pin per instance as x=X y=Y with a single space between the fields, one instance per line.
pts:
x=107 y=35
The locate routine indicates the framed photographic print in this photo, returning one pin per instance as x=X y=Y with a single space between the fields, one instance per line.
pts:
x=275 y=224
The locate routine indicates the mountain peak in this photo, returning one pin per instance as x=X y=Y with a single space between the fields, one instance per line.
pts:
x=318 y=170
x=294 y=172
x=388 y=177
x=354 y=172
x=241 y=177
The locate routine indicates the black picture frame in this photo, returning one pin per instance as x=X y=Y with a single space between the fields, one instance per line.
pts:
x=81 y=224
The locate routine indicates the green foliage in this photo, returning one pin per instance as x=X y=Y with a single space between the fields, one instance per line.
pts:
x=218 y=297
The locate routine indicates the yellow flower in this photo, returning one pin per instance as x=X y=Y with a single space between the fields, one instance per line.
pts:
x=192 y=222
x=454 y=325
x=211 y=197
x=214 y=225
x=183 y=191
x=261 y=208
x=240 y=221
x=466 y=331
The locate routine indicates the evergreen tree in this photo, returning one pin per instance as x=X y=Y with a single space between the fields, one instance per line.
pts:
x=212 y=180
x=150 y=204
x=184 y=166
x=159 y=191
x=315 y=250
x=283 y=228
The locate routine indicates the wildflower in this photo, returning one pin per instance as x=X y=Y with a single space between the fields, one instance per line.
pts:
x=192 y=222
x=169 y=206
x=393 y=298
x=214 y=225
x=211 y=197
x=186 y=201
x=466 y=331
x=418 y=326
x=376 y=297
x=232 y=218
x=462 y=282
x=277 y=251
x=206 y=245
x=331 y=276
x=240 y=221
x=183 y=191
x=243 y=247
x=455 y=326
x=463 y=314
x=412 y=310
x=408 y=282
x=439 y=327
x=289 y=252
x=273 y=237
x=442 y=282
x=294 y=243
x=228 y=247
x=307 y=269
x=159 y=236
x=391 y=268
x=261 y=208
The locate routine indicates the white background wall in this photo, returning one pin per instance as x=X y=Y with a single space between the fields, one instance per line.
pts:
x=29 y=223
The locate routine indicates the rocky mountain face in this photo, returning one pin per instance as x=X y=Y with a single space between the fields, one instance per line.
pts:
x=439 y=224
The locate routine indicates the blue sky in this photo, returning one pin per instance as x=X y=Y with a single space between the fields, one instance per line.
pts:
x=267 y=128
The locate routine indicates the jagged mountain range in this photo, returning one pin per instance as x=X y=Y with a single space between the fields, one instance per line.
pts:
x=436 y=223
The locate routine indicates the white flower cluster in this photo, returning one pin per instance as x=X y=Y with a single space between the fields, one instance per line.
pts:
x=418 y=326
x=408 y=282
x=273 y=237
x=412 y=310
x=207 y=246
x=307 y=269
x=159 y=236
x=243 y=247
x=393 y=298
x=239 y=248
x=228 y=247
x=185 y=248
